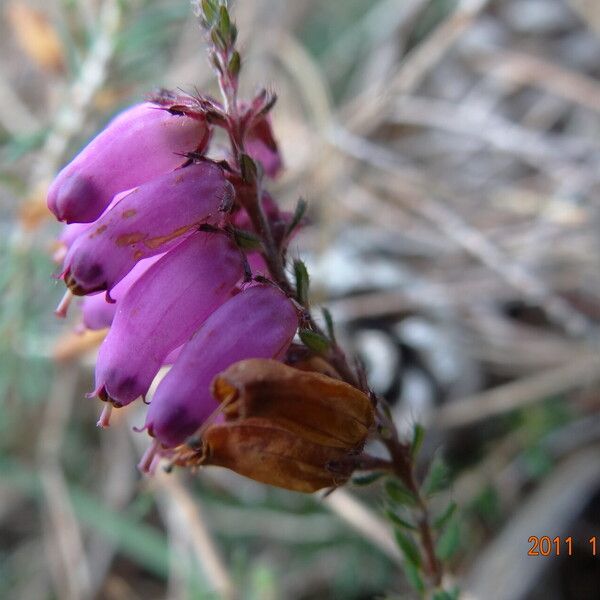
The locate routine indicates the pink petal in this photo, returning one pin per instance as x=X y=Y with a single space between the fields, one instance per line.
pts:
x=259 y=322
x=148 y=221
x=161 y=311
x=139 y=144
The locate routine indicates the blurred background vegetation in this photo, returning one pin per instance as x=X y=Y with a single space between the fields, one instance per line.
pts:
x=450 y=153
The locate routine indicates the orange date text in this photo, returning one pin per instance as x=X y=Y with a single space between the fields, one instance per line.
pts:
x=557 y=546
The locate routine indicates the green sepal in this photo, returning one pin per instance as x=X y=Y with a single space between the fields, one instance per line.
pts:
x=399 y=521
x=329 y=323
x=224 y=24
x=398 y=494
x=314 y=341
x=235 y=64
x=447 y=595
x=247 y=240
x=437 y=478
x=367 y=478
x=449 y=541
x=233 y=32
x=299 y=213
x=248 y=169
x=413 y=574
x=217 y=39
x=443 y=519
x=209 y=11
x=302 y=282
x=417 y=441
x=408 y=548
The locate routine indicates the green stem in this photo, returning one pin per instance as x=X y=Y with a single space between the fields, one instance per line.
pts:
x=402 y=463
x=404 y=468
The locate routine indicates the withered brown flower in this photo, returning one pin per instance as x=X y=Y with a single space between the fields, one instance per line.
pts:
x=264 y=451
x=316 y=364
x=316 y=407
x=294 y=429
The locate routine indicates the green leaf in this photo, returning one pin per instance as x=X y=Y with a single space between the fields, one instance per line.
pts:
x=413 y=575
x=299 y=213
x=449 y=541
x=437 y=478
x=217 y=39
x=224 y=24
x=399 y=494
x=314 y=341
x=447 y=595
x=417 y=441
x=408 y=548
x=235 y=64
x=385 y=407
x=367 y=478
x=399 y=521
x=233 y=32
x=270 y=103
x=216 y=61
x=302 y=281
x=248 y=169
x=443 y=519
x=487 y=504
x=209 y=10
x=538 y=461
x=329 y=323
x=246 y=239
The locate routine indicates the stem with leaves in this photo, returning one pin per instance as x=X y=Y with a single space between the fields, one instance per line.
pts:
x=416 y=535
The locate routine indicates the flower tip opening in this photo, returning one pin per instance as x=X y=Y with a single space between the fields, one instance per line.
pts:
x=73 y=286
x=61 y=275
x=100 y=392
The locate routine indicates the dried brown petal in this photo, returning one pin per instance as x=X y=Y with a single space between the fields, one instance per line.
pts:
x=315 y=407
x=316 y=364
x=264 y=451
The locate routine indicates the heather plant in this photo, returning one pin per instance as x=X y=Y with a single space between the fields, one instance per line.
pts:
x=182 y=253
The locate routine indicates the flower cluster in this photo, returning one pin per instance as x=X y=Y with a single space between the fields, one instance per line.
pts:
x=167 y=246
x=180 y=252
x=181 y=256
x=283 y=426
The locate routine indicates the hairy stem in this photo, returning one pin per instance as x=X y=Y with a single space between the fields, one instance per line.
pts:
x=249 y=195
x=404 y=469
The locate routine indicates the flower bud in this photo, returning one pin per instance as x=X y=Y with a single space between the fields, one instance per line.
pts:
x=261 y=146
x=318 y=408
x=139 y=144
x=146 y=222
x=162 y=310
x=259 y=322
